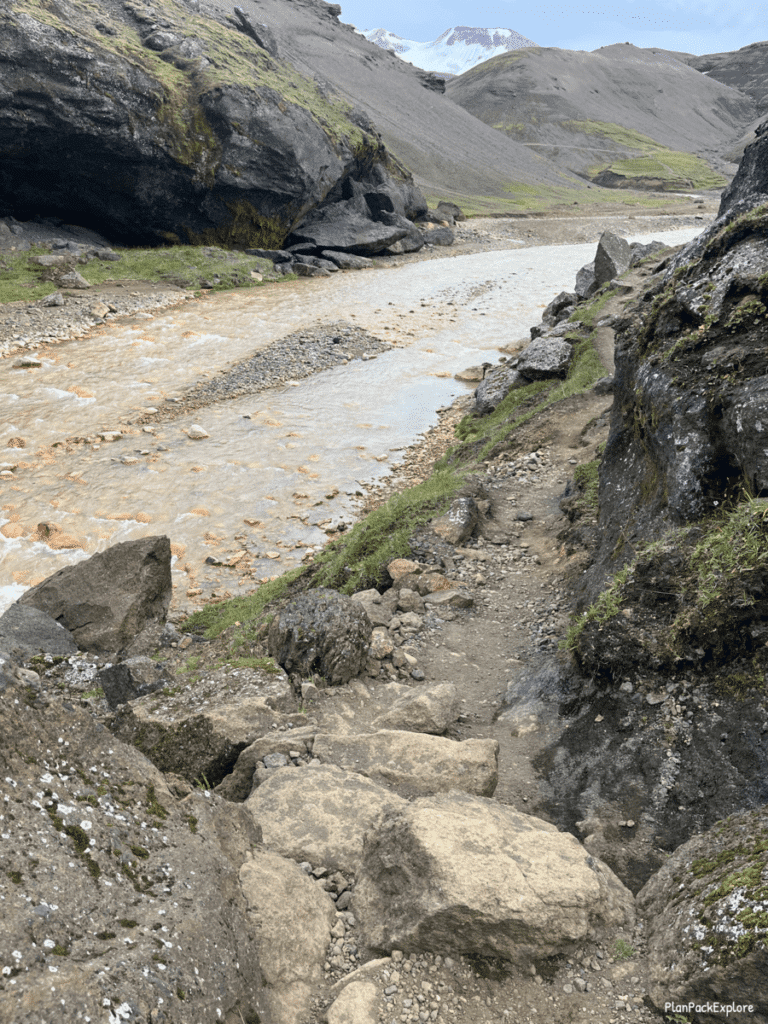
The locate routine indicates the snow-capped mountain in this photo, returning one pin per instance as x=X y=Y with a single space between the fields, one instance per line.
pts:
x=456 y=50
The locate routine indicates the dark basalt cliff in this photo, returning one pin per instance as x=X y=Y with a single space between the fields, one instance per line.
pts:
x=154 y=123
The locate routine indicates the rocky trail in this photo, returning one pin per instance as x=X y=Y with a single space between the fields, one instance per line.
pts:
x=466 y=646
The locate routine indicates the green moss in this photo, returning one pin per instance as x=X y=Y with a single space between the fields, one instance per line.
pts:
x=59 y=950
x=192 y=822
x=154 y=806
x=78 y=836
x=675 y=169
x=128 y=922
x=587 y=479
x=16 y=877
x=139 y=851
x=105 y=936
x=245 y=229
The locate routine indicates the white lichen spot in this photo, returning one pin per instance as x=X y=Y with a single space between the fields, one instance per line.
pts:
x=49 y=943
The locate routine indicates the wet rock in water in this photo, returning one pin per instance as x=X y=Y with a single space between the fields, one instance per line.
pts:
x=26 y=631
x=612 y=257
x=316 y=261
x=321 y=632
x=470 y=876
x=544 y=359
x=108 y=599
x=111 y=847
x=308 y=270
x=706 y=923
x=431 y=710
x=320 y=813
x=414 y=764
x=293 y=918
x=495 y=387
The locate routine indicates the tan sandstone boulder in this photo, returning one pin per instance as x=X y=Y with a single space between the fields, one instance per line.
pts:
x=413 y=764
x=457 y=874
x=292 y=919
x=319 y=814
x=429 y=709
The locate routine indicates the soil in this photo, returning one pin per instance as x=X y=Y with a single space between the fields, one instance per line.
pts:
x=520 y=577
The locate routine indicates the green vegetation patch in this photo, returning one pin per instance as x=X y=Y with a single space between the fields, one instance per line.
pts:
x=674 y=168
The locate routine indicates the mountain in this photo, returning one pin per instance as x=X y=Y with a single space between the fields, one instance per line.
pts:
x=455 y=51
x=619 y=116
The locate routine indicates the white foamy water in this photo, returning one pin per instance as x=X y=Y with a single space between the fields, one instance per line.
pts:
x=252 y=493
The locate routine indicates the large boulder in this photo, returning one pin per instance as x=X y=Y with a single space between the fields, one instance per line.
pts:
x=612 y=257
x=292 y=919
x=108 y=599
x=586 y=281
x=25 y=631
x=707 y=928
x=429 y=709
x=495 y=387
x=321 y=632
x=215 y=148
x=413 y=764
x=116 y=893
x=457 y=525
x=347 y=226
x=198 y=732
x=319 y=814
x=749 y=187
x=460 y=875
x=544 y=359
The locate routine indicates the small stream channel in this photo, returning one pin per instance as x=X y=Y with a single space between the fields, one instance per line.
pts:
x=278 y=467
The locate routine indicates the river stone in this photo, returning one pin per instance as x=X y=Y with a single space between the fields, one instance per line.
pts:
x=431 y=709
x=25 y=631
x=346 y=260
x=114 y=845
x=706 y=919
x=472 y=877
x=321 y=632
x=108 y=599
x=545 y=358
x=320 y=813
x=586 y=282
x=197 y=433
x=292 y=918
x=357 y=1004
x=309 y=270
x=612 y=257
x=414 y=764
x=459 y=522
x=495 y=387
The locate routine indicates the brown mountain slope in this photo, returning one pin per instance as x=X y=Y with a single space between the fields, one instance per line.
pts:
x=447 y=150
x=615 y=108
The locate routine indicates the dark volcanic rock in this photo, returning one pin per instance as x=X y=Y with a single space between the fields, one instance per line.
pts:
x=107 y=600
x=705 y=914
x=612 y=257
x=347 y=226
x=495 y=387
x=25 y=631
x=586 y=281
x=544 y=359
x=212 y=150
x=129 y=679
x=323 y=632
x=749 y=187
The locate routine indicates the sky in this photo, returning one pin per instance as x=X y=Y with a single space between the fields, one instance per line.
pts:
x=693 y=26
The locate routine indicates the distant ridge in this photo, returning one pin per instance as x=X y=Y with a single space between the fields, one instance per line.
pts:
x=454 y=51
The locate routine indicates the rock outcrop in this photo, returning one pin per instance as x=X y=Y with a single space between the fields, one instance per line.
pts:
x=199 y=130
x=322 y=632
x=707 y=922
x=107 y=600
x=118 y=898
x=466 y=875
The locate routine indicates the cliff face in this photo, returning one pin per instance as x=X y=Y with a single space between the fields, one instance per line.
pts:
x=686 y=462
x=155 y=123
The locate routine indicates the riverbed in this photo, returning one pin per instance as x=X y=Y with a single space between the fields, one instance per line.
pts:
x=100 y=455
